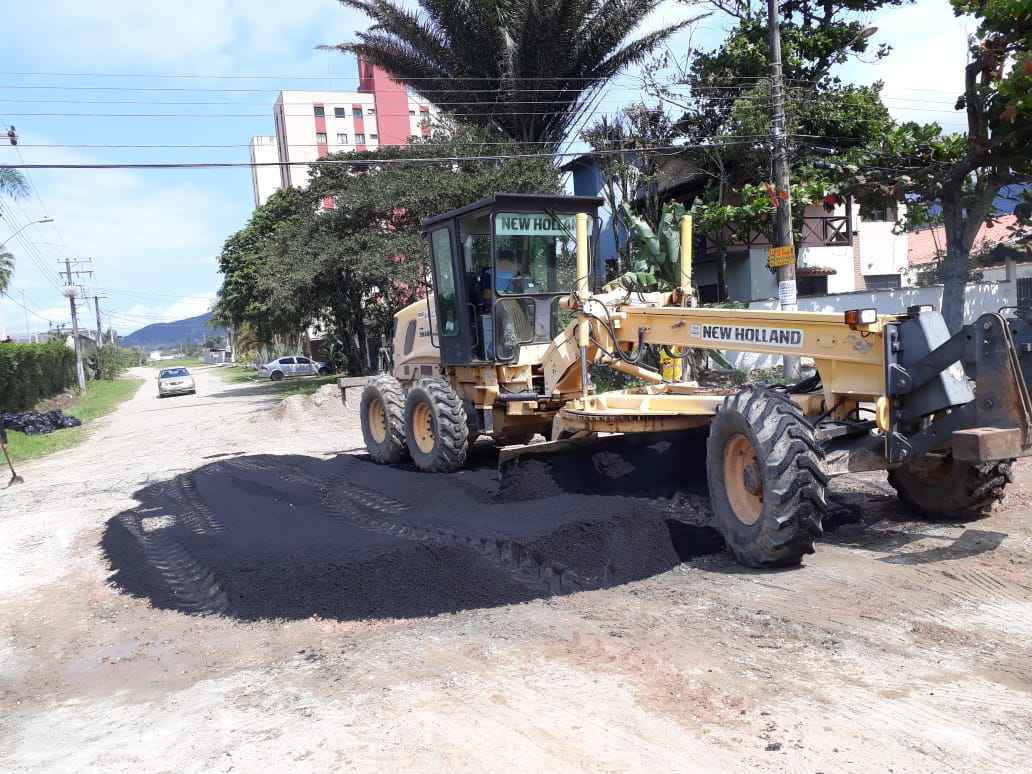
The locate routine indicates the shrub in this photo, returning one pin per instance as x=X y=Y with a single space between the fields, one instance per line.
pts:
x=31 y=372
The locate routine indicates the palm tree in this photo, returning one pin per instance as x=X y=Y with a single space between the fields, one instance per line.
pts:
x=12 y=183
x=525 y=67
x=6 y=270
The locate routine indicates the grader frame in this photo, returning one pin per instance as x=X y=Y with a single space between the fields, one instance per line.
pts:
x=948 y=414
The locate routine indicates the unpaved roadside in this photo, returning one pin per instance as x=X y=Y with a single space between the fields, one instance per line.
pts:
x=898 y=646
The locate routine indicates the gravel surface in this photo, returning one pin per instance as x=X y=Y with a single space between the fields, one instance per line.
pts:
x=222 y=582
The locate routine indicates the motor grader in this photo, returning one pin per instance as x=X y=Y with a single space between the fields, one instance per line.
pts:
x=504 y=347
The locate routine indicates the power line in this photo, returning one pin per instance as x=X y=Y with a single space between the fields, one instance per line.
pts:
x=283 y=77
x=366 y=162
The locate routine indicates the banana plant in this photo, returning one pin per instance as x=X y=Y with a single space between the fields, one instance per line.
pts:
x=656 y=256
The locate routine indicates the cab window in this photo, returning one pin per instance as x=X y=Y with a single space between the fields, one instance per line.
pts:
x=410 y=337
x=535 y=252
x=444 y=276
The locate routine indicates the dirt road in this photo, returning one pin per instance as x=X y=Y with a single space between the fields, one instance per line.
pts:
x=208 y=584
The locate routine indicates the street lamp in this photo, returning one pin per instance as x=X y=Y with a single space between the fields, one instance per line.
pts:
x=30 y=223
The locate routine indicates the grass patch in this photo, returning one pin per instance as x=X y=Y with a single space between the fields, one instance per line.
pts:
x=301 y=385
x=101 y=397
x=185 y=362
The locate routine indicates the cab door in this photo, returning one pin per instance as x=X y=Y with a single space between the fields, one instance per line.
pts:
x=453 y=328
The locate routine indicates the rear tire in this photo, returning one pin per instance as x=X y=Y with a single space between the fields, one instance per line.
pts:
x=766 y=481
x=382 y=411
x=939 y=487
x=436 y=430
x=277 y=376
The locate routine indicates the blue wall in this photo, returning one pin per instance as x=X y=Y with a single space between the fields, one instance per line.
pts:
x=587 y=181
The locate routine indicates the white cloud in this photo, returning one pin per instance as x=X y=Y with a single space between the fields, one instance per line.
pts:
x=202 y=36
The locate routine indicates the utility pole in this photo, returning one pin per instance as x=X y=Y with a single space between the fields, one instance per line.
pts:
x=28 y=330
x=100 y=333
x=71 y=290
x=783 y=217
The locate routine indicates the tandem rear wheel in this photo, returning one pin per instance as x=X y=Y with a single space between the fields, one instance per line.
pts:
x=382 y=413
x=767 y=486
x=436 y=429
x=939 y=487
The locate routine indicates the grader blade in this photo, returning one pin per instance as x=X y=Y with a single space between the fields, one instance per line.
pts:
x=650 y=464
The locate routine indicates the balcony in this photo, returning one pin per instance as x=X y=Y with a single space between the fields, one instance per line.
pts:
x=818 y=231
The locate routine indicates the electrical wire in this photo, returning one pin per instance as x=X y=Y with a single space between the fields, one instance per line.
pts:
x=672 y=149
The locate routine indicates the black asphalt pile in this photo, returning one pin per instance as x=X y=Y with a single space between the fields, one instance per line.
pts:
x=38 y=422
x=290 y=537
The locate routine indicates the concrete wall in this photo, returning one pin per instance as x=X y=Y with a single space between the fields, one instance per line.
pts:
x=980 y=298
x=881 y=250
x=264 y=180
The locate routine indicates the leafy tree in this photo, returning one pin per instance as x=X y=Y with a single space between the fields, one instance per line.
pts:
x=350 y=267
x=630 y=174
x=12 y=183
x=6 y=270
x=524 y=68
x=962 y=174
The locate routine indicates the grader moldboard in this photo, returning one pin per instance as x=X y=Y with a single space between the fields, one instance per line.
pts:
x=504 y=344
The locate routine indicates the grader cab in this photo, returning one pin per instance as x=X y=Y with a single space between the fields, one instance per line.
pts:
x=946 y=415
x=467 y=359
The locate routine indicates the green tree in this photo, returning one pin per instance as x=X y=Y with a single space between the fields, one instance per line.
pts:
x=630 y=172
x=6 y=270
x=962 y=174
x=12 y=183
x=350 y=267
x=524 y=68
x=725 y=104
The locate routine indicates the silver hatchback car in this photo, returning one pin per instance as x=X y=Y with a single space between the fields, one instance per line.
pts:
x=282 y=367
x=175 y=381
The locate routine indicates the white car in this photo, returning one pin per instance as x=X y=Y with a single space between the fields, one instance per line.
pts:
x=175 y=381
x=293 y=366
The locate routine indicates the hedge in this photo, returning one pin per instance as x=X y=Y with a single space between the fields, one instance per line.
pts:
x=30 y=373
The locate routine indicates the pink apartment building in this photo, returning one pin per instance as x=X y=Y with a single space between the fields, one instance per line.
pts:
x=313 y=124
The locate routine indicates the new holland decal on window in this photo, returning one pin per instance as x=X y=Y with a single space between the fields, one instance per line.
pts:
x=749 y=334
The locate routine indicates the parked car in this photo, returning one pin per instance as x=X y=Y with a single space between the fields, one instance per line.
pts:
x=175 y=381
x=294 y=366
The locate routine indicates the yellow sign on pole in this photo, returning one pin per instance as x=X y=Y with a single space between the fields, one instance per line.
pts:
x=780 y=256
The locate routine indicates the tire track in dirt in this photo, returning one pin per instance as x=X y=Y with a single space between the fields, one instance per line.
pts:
x=193 y=586
x=372 y=510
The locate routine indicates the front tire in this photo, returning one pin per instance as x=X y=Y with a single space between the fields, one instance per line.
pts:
x=766 y=481
x=939 y=487
x=436 y=430
x=382 y=411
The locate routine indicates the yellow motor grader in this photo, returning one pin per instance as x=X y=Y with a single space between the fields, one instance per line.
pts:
x=504 y=345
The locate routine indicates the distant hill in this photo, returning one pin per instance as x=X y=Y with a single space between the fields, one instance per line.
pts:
x=193 y=330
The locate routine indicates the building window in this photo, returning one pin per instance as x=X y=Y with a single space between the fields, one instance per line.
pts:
x=371 y=111
x=320 y=137
x=373 y=138
x=412 y=113
x=342 y=138
x=812 y=286
x=320 y=112
x=359 y=139
x=340 y=112
x=877 y=213
x=882 y=281
x=356 y=112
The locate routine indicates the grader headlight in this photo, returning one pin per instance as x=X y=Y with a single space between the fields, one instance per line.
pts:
x=857 y=317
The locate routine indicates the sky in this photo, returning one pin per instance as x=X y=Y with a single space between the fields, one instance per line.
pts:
x=152 y=236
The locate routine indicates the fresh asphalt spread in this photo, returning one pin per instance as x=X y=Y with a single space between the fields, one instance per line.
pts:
x=258 y=537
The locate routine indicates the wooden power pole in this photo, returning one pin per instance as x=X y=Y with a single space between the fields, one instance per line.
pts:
x=783 y=219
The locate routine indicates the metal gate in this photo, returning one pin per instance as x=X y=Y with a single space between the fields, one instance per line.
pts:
x=1024 y=291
